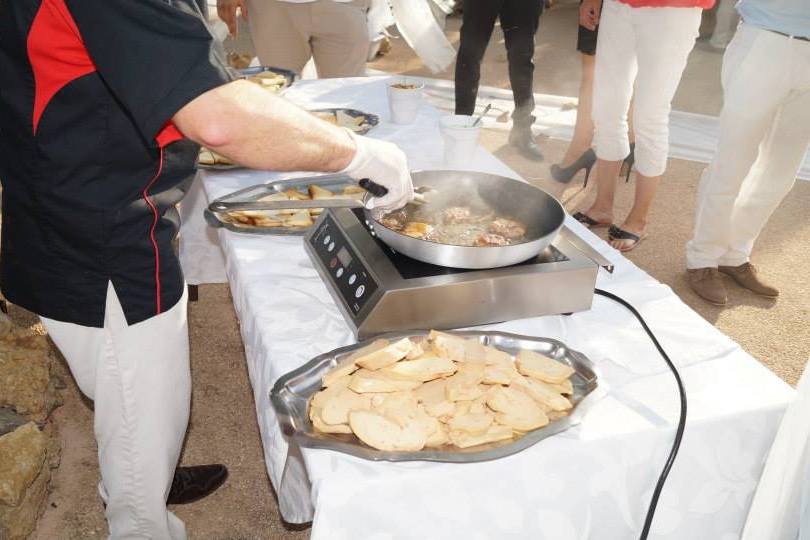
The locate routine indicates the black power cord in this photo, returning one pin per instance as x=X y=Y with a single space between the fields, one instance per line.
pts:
x=659 y=486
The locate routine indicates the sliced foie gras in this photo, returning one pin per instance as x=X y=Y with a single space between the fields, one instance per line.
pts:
x=464 y=385
x=347 y=365
x=495 y=433
x=539 y=366
x=422 y=369
x=516 y=409
x=366 y=381
x=473 y=423
x=336 y=410
x=381 y=433
x=542 y=393
x=386 y=356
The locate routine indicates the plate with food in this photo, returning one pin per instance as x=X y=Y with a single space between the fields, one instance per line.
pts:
x=358 y=121
x=436 y=396
x=270 y=78
x=331 y=189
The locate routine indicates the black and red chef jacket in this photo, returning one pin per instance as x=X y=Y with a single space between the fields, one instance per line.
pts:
x=90 y=164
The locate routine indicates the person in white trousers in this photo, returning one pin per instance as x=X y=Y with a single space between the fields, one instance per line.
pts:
x=104 y=108
x=287 y=33
x=643 y=44
x=764 y=134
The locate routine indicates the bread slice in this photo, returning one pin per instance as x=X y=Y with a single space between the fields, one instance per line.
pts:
x=539 y=366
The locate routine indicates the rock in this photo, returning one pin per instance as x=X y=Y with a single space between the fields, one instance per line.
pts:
x=23 y=480
x=22 y=453
x=25 y=379
x=9 y=421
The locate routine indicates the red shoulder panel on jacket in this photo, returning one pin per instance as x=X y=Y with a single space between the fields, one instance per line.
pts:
x=56 y=52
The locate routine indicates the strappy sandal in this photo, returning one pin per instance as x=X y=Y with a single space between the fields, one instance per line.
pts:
x=588 y=221
x=615 y=233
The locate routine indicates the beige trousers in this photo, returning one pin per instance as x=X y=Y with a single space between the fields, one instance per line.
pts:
x=287 y=35
x=764 y=134
x=139 y=380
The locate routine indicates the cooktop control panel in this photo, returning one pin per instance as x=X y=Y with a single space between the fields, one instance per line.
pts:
x=345 y=269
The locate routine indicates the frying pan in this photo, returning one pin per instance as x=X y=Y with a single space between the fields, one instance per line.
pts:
x=542 y=214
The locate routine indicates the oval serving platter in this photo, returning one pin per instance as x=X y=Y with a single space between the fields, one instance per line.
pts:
x=291 y=394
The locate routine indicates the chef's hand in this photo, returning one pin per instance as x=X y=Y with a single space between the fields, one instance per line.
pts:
x=226 y=9
x=589 y=12
x=384 y=163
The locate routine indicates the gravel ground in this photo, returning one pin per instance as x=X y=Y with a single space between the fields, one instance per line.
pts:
x=223 y=424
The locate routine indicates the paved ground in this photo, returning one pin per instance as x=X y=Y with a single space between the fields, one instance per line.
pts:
x=223 y=425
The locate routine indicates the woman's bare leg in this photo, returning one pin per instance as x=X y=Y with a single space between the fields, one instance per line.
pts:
x=636 y=222
x=602 y=208
x=583 y=128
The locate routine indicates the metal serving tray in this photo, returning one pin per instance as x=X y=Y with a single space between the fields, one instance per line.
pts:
x=247 y=199
x=290 y=76
x=371 y=120
x=291 y=394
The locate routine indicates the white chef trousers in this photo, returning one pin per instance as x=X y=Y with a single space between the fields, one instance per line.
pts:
x=764 y=134
x=139 y=379
x=648 y=46
x=288 y=34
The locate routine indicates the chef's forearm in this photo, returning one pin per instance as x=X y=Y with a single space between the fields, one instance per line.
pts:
x=246 y=124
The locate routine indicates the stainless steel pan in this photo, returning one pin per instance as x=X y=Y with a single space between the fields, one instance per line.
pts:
x=542 y=214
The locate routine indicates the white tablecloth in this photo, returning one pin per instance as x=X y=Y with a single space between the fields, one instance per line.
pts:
x=593 y=481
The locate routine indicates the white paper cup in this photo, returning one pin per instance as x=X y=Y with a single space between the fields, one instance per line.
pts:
x=460 y=139
x=404 y=102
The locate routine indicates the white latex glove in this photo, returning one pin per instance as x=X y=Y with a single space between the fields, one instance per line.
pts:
x=385 y=164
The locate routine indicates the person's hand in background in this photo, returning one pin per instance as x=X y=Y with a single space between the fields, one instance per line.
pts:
x=226 y=9
x=589 y=12
x=385 y=164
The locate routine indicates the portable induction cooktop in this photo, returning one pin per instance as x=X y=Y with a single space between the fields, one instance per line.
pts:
x=379 y=290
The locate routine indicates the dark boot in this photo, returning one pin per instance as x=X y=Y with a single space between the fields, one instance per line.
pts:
x=522 y=139
x=194 y=483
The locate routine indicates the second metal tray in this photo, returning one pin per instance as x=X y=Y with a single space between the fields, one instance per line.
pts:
x=290 y=397
x=217 y=211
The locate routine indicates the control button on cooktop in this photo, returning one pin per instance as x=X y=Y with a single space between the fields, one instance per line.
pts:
x=339 y=272
x=333 y=262
x=327 y=239
x=360 y=290
x=352 y=279
x=331 y=247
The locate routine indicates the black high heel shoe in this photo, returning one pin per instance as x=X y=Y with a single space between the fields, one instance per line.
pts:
x=627 y=164
x=565 y=174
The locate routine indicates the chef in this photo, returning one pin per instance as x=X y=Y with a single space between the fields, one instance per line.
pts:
x=102 y=108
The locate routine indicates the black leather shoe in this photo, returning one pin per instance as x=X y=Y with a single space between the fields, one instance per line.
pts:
x=521 y=137
x=194 y=483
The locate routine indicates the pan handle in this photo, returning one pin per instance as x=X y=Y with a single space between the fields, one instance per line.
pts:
x=587 y=250
x=372 y=187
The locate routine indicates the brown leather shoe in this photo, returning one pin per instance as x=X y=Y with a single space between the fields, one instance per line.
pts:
x=708 y=284
x=746 y=276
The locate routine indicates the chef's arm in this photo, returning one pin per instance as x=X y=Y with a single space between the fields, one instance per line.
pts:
x=254 y=128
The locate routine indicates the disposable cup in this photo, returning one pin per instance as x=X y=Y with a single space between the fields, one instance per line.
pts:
x=404 y=99
x=460 y=139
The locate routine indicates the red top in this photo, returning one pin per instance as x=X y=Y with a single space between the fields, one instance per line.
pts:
x=703 y=4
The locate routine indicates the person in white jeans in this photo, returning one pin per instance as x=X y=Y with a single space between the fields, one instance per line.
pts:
x=643 y=44
x=138 y=375
x=764 y=134
x=287 y=33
